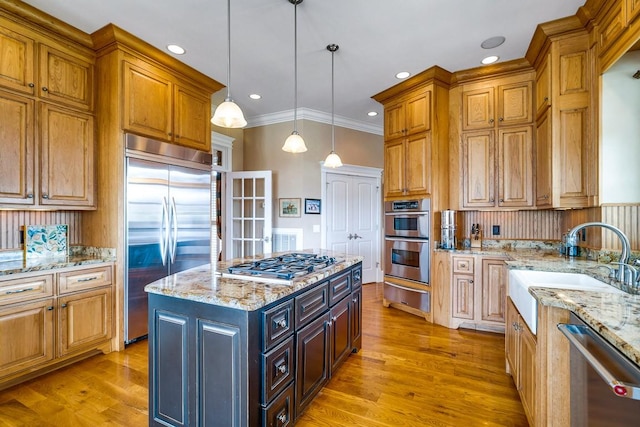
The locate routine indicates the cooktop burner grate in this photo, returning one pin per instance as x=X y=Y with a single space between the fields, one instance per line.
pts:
x=284 y=267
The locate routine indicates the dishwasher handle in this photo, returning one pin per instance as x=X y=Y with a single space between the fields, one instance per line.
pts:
x=619 y=388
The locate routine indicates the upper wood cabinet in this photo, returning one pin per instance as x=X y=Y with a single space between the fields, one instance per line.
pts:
x=46 y=101
x=406 y=172
x=566 y=150
x=408 y=116
x=496 y=156
x=158 y=105
x=496 y=103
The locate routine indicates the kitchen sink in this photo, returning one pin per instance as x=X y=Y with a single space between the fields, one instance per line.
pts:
x=521 y=280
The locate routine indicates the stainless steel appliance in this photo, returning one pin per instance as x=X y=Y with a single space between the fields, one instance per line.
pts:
x=281 y=269
x=407 y=249
x=605 y=385
x=448 y=229
x=168 y=216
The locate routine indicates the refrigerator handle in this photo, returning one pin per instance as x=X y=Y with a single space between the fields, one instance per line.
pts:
x=174 y=222
x=164 y=231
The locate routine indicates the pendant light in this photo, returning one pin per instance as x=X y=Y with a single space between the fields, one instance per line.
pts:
x=332 y=160
x=228 y=114
x=294 y=143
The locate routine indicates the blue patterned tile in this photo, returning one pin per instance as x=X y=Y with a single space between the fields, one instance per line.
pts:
x=46 y=240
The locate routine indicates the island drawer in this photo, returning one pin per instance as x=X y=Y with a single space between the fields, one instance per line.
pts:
x=339 y=287
x=277 y=369
x=311 y=304
x=26 y=288
x=280 y=412
x=277 y=323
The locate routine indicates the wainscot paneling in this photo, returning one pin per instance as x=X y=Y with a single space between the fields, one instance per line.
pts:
x=626 y=218
x=11 y=223
x=517 y=225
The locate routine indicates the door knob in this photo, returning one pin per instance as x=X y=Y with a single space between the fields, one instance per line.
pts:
x=350 y=236
x=355 y=236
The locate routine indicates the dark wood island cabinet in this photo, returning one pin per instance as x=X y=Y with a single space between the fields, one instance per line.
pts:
x=236 y=352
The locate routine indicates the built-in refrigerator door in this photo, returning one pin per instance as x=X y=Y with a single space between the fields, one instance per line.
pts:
x=190 y=218
x=148 y=227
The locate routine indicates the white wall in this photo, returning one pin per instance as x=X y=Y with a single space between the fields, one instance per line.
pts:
x=620 y=127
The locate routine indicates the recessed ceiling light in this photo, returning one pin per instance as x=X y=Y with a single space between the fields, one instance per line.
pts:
x=403 y=75
x=255 y=96
x=490 y=59
x=372 y=113
x=174 y=48
x=492 y=42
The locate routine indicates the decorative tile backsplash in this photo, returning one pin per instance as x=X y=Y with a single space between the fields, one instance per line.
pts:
x=46 y=240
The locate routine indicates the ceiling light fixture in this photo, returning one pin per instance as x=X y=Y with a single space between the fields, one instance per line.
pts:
x=492 y=42
x=372 y=113
x=294 y=143
x=403 y=75
x=174 y=48
x=332 y=160
x=228 y=114
x=255 y=96
x=490 y=59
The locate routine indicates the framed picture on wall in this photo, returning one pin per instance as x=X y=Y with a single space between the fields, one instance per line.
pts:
x=312 y=206
x=289 y=207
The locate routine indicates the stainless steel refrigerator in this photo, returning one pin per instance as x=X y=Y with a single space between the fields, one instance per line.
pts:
x=168 y=216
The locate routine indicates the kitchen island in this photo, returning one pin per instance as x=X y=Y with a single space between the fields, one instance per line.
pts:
x=233 y=351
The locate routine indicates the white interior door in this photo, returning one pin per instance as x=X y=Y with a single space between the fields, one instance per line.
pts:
x=353 y=205
x=248 y=214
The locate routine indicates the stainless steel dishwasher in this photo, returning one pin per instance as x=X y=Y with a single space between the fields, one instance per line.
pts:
x=605 y=384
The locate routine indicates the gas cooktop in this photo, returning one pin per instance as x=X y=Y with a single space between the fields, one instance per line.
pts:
x=280 y=269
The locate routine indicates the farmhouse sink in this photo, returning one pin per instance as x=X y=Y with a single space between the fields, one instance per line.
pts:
x=521 y=280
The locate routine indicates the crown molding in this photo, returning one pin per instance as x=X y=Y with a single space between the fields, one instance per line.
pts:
x=315 y=116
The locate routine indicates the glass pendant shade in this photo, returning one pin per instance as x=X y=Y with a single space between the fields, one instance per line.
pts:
x=333 y=160
x=294 y=143
x=229 y=115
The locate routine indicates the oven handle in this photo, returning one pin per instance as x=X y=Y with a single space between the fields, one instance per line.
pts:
x=406 y=239
x=619 y=388
x=405 y=288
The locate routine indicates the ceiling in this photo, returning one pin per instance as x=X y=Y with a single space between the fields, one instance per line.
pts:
x=377 y=39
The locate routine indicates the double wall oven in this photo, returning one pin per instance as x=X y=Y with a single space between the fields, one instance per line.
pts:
x=407 y=253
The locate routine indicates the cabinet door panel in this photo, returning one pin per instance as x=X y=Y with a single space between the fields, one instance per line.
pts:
x=17 y=158
x=84 y=320
x=192 y=119
x=340 y=333
x=528 y=372
x=515 y=167
x=478 y=109
x=418 y=160
x=478 y=169
x=356 y=319
x=417 y=118
x=543 y=86
x=394 y=171
x=463 y=297
x=514 y=103
x=66 y=157
x=573 y=135
x=16 y=66
x=66 y=79
x=543 y=162
x=312 y=361
x=147 y=102
x=394 y=121
x=512 y=343
x=493 y=290
x=26 y=336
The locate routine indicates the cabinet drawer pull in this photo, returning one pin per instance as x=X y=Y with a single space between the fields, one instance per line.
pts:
x=282 y=418
x=354 y=300
x=282 y=323
x=19 y=291
x=50 y=308
x=45 y=196
x=31 y=85
x=282 y=368
x=30 y=196
x=88 y=279
x=45 y=89
x=491 y=120
x=64 y=305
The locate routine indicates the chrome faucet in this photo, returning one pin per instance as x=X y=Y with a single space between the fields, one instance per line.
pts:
x=621 y=273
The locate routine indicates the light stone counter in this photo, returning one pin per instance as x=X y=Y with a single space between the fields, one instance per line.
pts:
x=204 y=284
x=14 y=262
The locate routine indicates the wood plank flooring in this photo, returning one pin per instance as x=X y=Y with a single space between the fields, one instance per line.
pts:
x=408 y=373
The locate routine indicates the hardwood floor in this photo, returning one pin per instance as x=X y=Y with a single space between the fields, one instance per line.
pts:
x=408 y=373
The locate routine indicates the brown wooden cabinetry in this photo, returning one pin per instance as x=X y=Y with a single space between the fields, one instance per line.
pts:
x=497 y=143
x=520 y=345
x=470 y=291
x=46 y=319
x=409 y=115
x=405 y=171
x=566 y=154
x=159 y=105
x=46 y=101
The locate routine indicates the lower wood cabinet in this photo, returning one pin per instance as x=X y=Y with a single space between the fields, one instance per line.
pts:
x=214 y=365
x=43 y=323
x=470 y=291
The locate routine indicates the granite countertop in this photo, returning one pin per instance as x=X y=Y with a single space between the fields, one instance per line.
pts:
x=14 y=262
x=204 y=284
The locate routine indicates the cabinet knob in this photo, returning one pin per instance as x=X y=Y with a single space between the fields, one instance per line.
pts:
x=50 y=308
x=471 y=281
x=546 y=99
x=31 y=85
x=45 y=89
x=282 y=368
x=282 y=418
x=501 y=200
x=64 y=305
x=501 y=119
x=30 y=196
x=492 y=200
x=491 y=120
x=354 y=300
x=45 y=196
x=282 y=323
